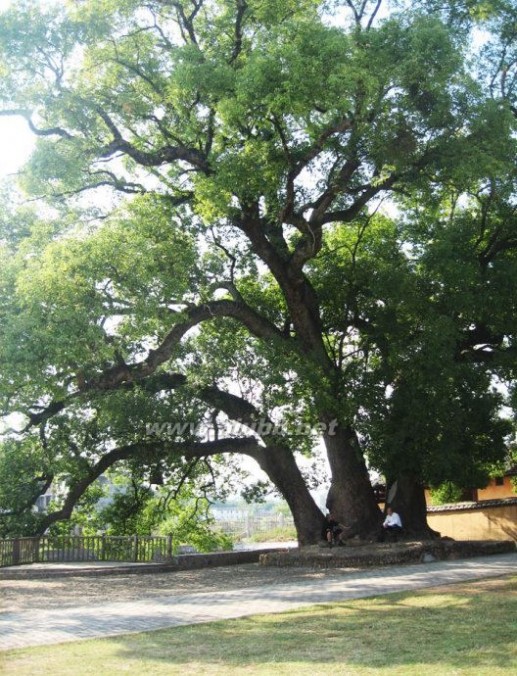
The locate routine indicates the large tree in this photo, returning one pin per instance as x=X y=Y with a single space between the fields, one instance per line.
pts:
x=211 y=170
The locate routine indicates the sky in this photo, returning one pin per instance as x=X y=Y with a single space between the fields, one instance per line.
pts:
x=16 y=140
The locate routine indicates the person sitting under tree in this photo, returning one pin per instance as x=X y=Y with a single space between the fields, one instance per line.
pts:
x=392 y=525
x=332 y=531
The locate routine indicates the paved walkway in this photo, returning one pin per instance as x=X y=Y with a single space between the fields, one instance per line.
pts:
x=55 y=625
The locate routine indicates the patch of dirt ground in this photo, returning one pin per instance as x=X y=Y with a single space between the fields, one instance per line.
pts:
x=51 y=592
x=69 y=591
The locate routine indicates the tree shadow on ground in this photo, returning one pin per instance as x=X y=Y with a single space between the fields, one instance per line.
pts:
x=445 y=630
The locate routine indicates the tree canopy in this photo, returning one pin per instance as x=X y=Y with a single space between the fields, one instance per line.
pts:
x=265 y=213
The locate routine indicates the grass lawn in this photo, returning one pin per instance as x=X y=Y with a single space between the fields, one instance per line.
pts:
x=468 y=628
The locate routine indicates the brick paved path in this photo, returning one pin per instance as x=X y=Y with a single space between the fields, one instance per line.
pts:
x=54 y=625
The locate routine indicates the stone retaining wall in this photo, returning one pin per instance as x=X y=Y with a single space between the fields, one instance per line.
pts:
x=384 y=554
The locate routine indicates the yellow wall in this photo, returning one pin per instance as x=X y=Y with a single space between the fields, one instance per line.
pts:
x=481 y=523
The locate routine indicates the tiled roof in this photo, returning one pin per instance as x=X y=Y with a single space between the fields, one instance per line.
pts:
x=461 y=506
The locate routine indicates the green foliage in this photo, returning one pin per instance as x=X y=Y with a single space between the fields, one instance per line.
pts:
x=189 y=527
x=279 y=534
x=446 y=493
x=126 y=504
x=23 y=472
x=87 y=517
x=139 y=509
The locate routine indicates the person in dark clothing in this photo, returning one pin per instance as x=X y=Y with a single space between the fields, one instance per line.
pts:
x=332 y=531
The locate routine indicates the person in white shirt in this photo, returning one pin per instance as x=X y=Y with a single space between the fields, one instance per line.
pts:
x=392 y=524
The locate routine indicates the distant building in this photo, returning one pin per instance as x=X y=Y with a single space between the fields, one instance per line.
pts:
x=498 y=488
x=43 y=501
x=488 y=513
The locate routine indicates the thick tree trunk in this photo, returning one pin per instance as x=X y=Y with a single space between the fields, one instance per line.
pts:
x=279 y=464
x=351 y=498
x=407 y=497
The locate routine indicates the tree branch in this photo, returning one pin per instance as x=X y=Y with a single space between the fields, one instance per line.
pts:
x=117 y=375
x=27 y=115
x=237 y=46
x=164 y=155
x=146 y=451
x=187 y=22
x=374 y=14
x=347 y=215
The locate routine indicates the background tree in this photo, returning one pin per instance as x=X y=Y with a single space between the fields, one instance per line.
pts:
x=238 y=140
